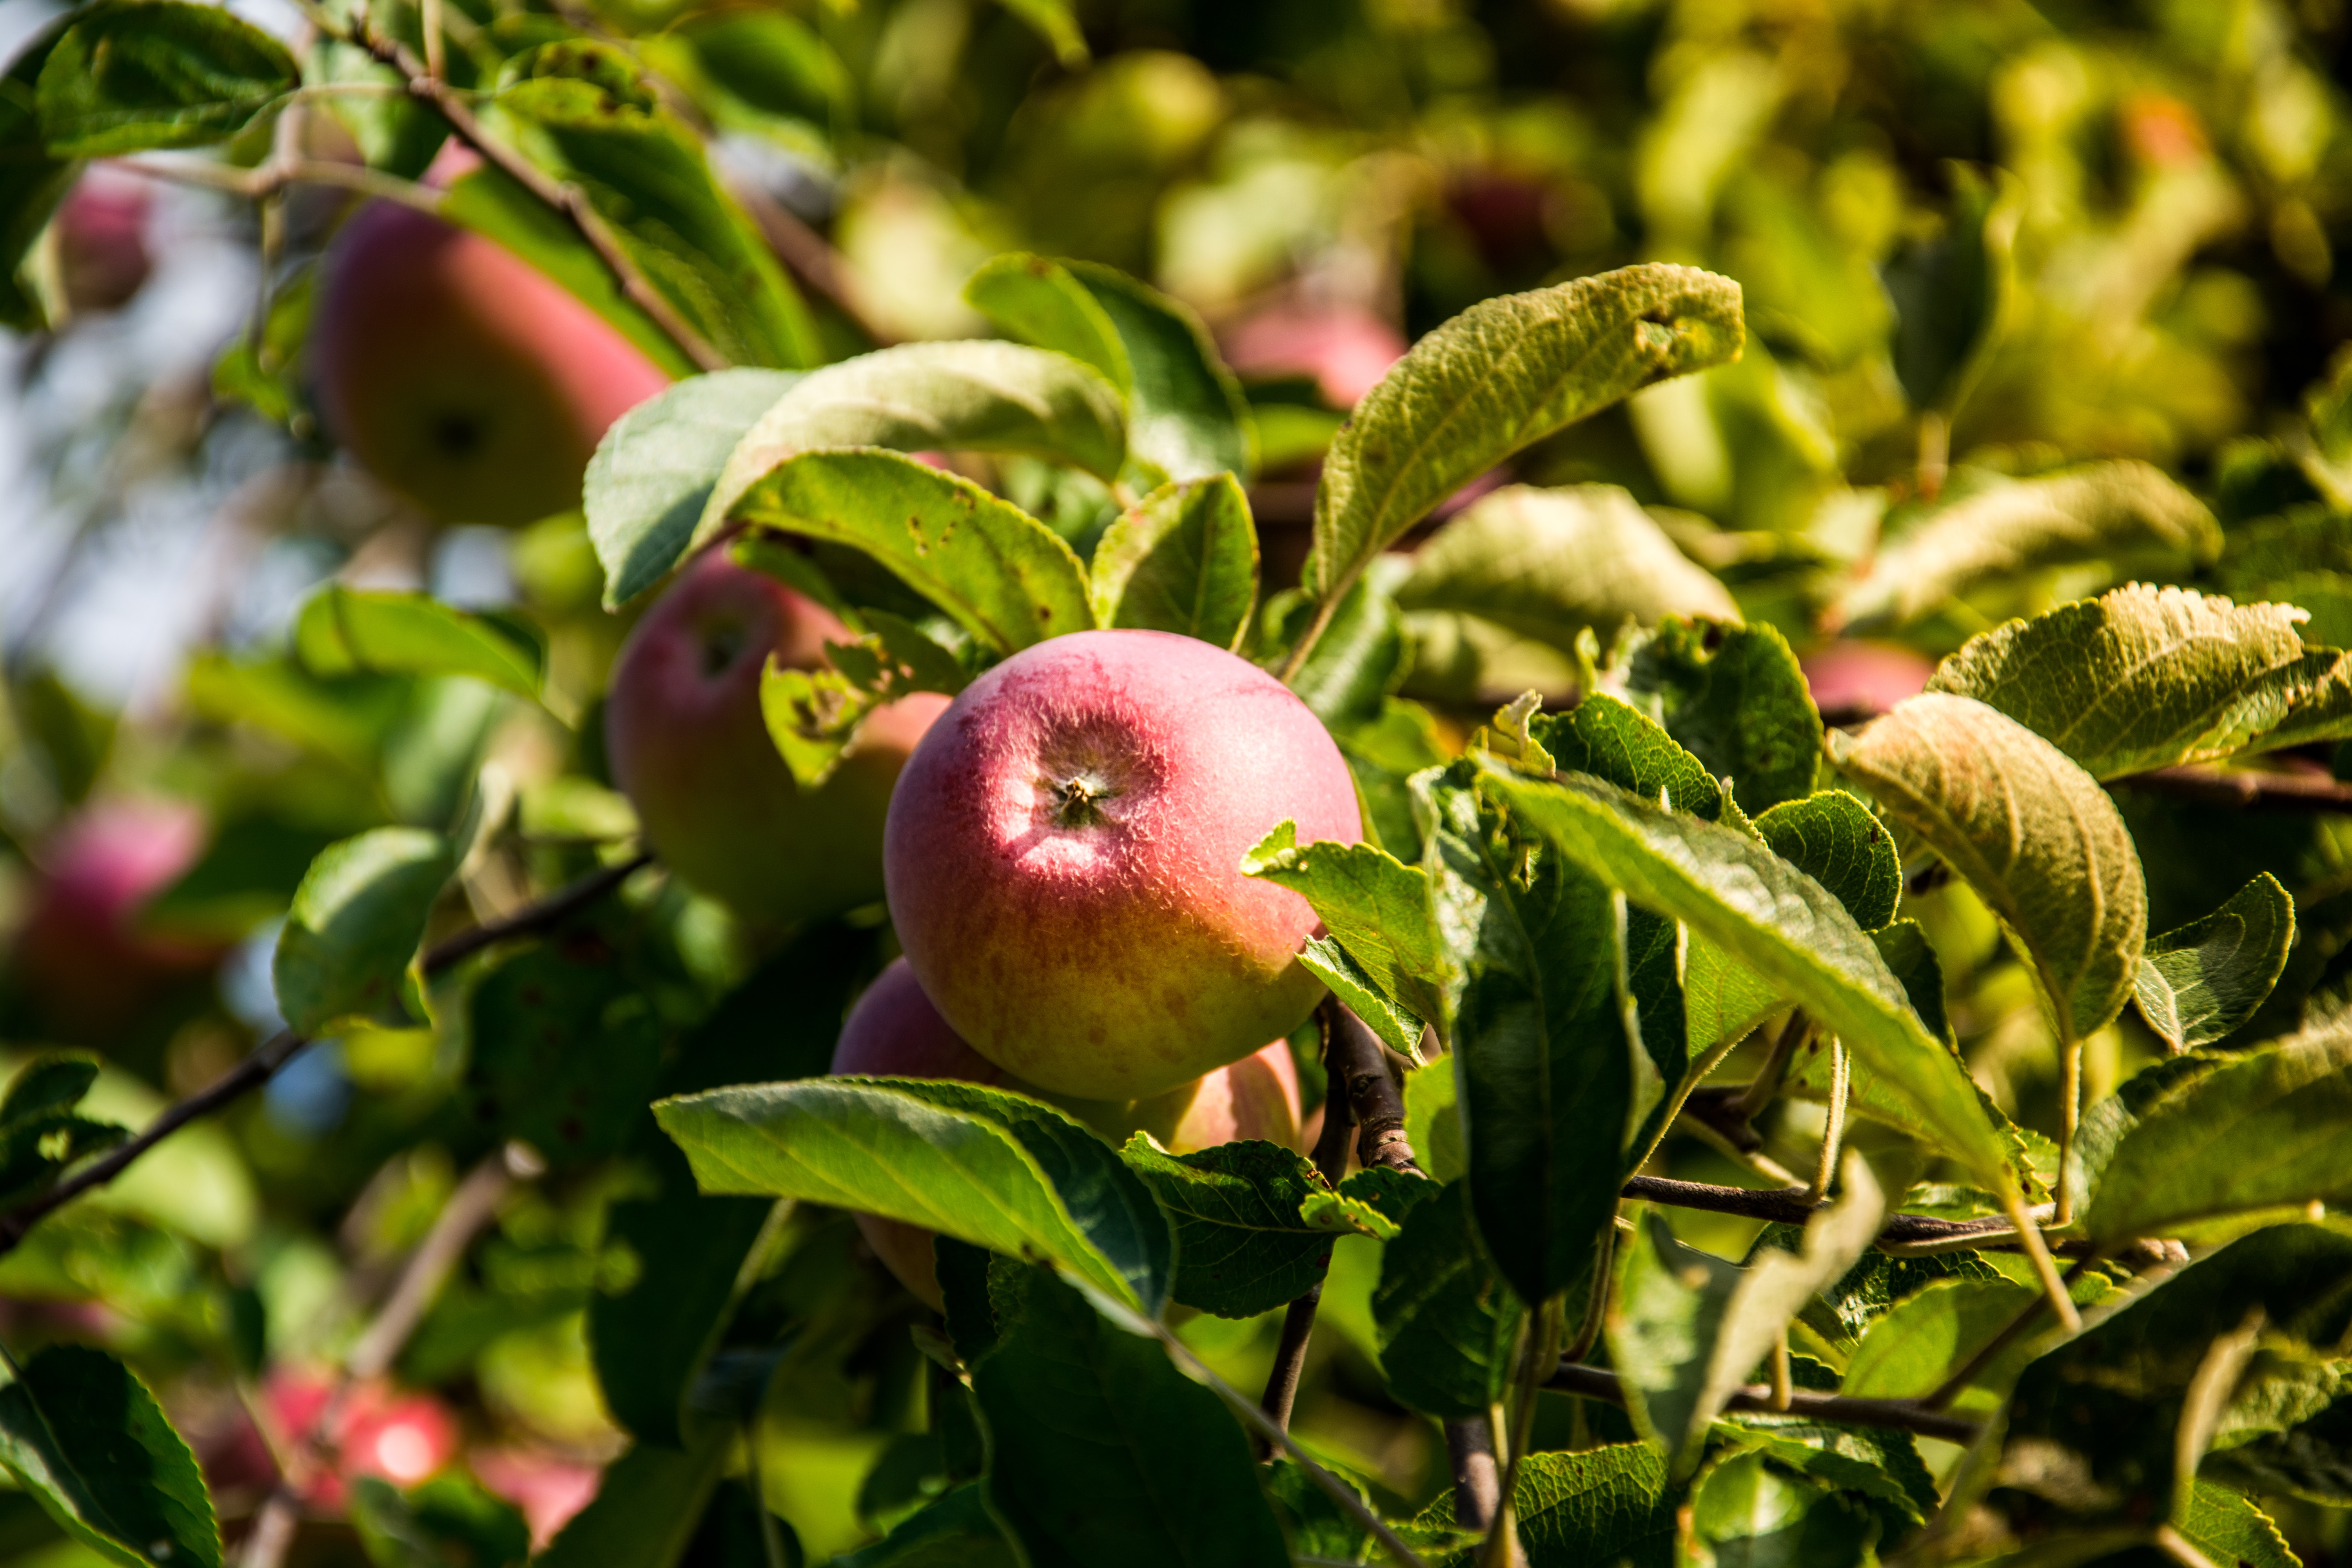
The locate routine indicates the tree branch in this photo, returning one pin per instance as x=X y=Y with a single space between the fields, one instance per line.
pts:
x=1905 y=1415
x=569 y=200
x=264 y=1063
x=2247 y=790
x=1331 y=1163
x=1794 y=1205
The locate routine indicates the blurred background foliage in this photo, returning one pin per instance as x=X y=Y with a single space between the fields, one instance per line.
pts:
x=1981 y=242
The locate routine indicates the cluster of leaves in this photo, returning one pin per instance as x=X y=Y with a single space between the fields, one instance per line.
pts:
x=1653 y=915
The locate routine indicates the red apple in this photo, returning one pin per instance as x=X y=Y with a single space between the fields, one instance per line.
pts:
x=400 y=1436
x=1345 y=350
x=686 y=744
x=459 y=375
x=1064 y=858
x=1853 y=679
x=895 y=1032
x=102 y=233
x=80 y=955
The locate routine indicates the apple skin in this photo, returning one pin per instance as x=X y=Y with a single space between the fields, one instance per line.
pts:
x=1857 y=679
x=685 y=742
x=101 y=232
x=895 y=1032
x=461 y=375
x=1345 y=350
x=1064 y=858
x=85 y=965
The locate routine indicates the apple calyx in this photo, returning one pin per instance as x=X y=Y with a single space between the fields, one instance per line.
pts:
x=1078 y=800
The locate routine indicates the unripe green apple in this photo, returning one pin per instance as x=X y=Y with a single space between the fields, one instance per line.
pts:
x=895 y=1032
x=686 y=744
x=1064 y=854
x=461 y=375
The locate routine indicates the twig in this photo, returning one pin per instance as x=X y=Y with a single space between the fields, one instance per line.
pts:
x=1834 y=1129
x=804 y=251
x=267 y=179
x=1339 y=1492
x=1794 y=1206
x=1904 y=1415
x=568 y=200
x=1372 y=1092
x=1299 y=1322
x=1315 y=630
x=1477 y=1481
x=470 y=1208
x=264 y=1062
x=550 y=911
x=2244 y=789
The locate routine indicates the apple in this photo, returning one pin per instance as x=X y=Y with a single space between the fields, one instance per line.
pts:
x=85 y=965
x=1853 y=679
x=459 y=375
x=101 y=235
x=686 y=742
x=895 y=1032
x=1345 y=349
x=1064 y=860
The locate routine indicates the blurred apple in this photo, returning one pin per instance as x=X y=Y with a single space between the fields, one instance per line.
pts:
x=1346 y=350
x=400 y=1436
x=461 y=375
x=1853 y=679
x=101 y=236
x=81 y=956
x=548 y=1487
x=688 y=745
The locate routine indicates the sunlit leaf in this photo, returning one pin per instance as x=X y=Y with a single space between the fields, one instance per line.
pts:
x=86 y=1439
x=2198 y=983
x=1182 y=559
x=346 y=950
x=132 y=76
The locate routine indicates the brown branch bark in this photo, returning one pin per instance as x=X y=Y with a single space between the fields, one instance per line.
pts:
x=2247 y=790
x=1299 y=1322
x=1794 y=1205
x=266 y=1060
x=1906 y=1414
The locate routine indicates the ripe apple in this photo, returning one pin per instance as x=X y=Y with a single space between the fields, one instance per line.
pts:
x=101 y=233
x=1064 y=858
x=688 y=745
x=87 y=967
x=461 y=375
x=1853 y=679
x=895 y=1032
x=1345 y=350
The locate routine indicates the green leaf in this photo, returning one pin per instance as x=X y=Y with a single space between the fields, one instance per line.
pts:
x=1007 y=578
x=1922 y=1340
x=955 y=1531
x=1446 y=1319
x=2198 y=983
x=1504 y=374
x=2034 y=836
x=589 y=118
x=1056 y=22
x=1662 y=1321
x=562 y=1051
x=653 y=472
x=812 y=715
x=2119 y=1408
x=349 y=940
x=32 y=180
x=1182 y=559
x=41 y=1135
x=1041 y=303
x=1242 y=1245
x=1432 y=1125
x=1734 y=697
x=1355 y=667
x=961 y=397
x=1186 y=419
x=2251 y=1141
x=1547 y=564
x=1911 y=959
x=1556 y=1078
x=1609 y=1505
x=1880 y=1464
x=986 y=1167
x=1604 y=737
x=132 y=76
x=1748 y=1508
x=81 y=1433
x=2097 y=511
x=2147 y=678
x=1100 y=1451
x=645 y=1509
x=2228 y=1528
x=351 y=631
x=1949 y=294
x=448 y=1521
x=1374 y=906
x=1398 y=1026
x=649 y=1342
x=1836 y=840
x=1778 y=923
x=47 y=1083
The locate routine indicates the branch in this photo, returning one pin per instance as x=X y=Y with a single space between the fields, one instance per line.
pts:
x=2245 y=790
x=268 y=179
x=1794 y=1205
x=1331 y=1163
x=265 y=1061
x=1906 y=1414
x=569 y=200
x=1372 y=1093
